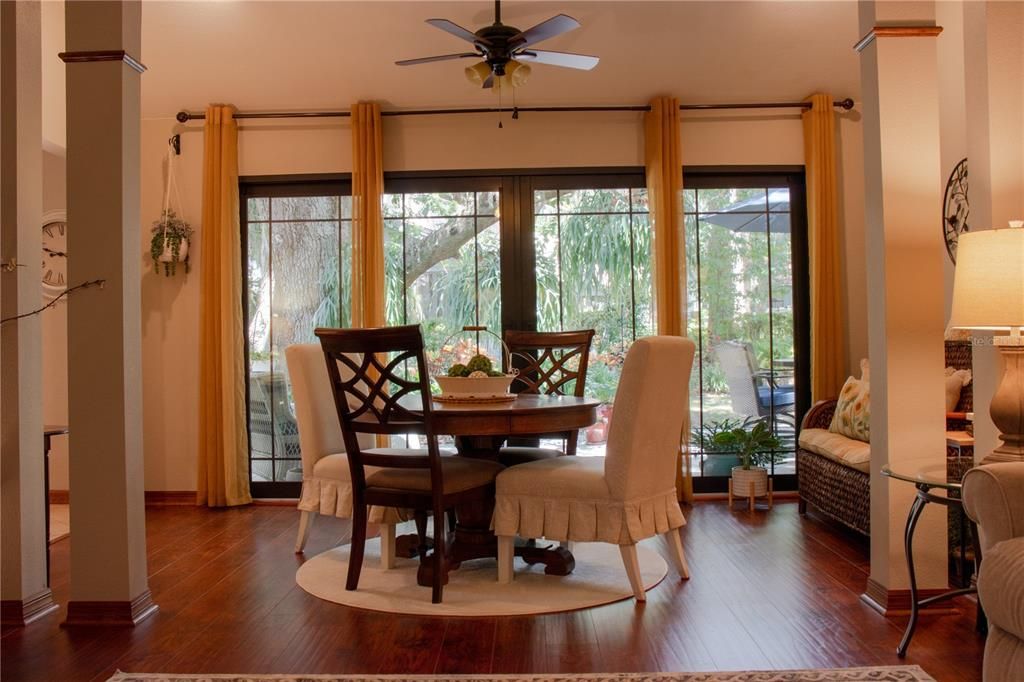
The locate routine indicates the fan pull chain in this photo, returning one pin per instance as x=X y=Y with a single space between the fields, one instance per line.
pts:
x=498 y=86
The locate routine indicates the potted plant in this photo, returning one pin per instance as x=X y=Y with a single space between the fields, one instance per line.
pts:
x=718 y=459
x=170 y=242
x=754 y=444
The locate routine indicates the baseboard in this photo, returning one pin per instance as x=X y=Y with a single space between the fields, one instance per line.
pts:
x=171 y=498
x=111 y=612
x=897 y=602
x=59 y=496
x=22 y=612
x=275 y=501
x=714 y=497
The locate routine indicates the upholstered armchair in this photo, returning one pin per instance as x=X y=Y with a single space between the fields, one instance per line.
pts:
x=326 y=483
x=993 y=497
x=624 y=497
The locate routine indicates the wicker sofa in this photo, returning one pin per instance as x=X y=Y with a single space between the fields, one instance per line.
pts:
x=836 y=480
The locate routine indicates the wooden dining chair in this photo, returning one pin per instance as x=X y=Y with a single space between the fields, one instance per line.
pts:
x=550 y=363
x=627 y=495
x=378 y=398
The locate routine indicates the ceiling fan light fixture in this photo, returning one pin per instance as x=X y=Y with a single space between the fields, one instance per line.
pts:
x=478 y=73
x=516 y=73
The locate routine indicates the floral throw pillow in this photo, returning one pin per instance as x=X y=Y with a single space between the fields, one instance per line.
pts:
x=853 y=411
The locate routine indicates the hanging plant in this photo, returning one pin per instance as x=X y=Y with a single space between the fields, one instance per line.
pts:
x=170 y=242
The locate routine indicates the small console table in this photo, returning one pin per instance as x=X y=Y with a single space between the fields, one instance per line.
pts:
x=936 y=484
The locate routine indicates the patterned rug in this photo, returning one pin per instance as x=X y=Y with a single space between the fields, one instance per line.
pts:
x=897 y=673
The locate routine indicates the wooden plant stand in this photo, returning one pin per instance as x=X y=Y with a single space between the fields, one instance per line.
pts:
x=751 y=497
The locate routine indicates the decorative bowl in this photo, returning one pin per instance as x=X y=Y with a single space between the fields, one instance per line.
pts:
x=475 y=386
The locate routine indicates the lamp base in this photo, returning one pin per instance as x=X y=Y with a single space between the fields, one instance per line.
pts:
x=1007 y=407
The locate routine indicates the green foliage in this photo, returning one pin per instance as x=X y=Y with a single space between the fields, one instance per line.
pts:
x=480 y=363
x=458 y=370
x=752 y=441
x=170 y=230
x=704 y=436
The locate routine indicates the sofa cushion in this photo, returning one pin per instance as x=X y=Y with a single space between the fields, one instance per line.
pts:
x=855 y=454
x=1001 y=585
x=852 y=417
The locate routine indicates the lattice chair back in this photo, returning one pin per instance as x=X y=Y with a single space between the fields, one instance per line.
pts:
x=374 y=396
x=553 y=363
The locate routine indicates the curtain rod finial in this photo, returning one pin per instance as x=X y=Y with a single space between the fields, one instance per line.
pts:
x=183 y=117
x=846 y=104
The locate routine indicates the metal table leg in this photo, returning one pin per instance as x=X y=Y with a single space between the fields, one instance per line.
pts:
x=923 y=498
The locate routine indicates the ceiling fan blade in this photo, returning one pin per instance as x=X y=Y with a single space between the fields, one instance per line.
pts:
x=554 y=26
x=456 y=30
x=569 y=60
x=438 y=58
x=489 y=81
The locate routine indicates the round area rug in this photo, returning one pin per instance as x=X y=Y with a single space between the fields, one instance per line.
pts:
x=473 y=589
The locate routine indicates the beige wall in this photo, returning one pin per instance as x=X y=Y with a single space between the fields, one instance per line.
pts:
x=170 y=305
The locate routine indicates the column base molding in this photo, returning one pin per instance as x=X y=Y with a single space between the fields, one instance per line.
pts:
x=111 y=612
x=897 y=602
x=18 y=612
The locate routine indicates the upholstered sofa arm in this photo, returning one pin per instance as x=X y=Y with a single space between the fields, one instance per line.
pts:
x=820 y=415
x=993 y=497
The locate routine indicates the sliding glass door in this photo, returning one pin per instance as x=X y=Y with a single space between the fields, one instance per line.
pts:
x=747 y=311
x=297 y=253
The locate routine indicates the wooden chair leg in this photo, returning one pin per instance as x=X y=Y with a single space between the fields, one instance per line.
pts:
x=355 y=558
x=305 y=525
x=440 y=565
x=387 y=545
x=506 y=556
x=451 y=521
x=632 y=564
x=801 y=507
x=676 y=553
x=730 y=494
x=751 y=501
x=421 y=531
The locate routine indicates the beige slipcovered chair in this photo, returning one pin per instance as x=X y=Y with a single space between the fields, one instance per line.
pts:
x=326 y=483
x=993 y=497
x=627 y=495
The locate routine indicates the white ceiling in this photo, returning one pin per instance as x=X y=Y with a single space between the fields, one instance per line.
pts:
x=326 y=55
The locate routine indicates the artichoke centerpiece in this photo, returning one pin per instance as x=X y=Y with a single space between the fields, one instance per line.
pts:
x=478 y=377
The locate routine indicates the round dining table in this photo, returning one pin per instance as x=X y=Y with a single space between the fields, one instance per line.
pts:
x=480 y=429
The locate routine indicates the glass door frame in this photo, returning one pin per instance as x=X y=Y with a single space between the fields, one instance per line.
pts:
x=275 y=186
x=793 y=178
x=515 y=189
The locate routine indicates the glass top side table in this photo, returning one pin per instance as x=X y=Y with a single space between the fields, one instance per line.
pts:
x=935 y=483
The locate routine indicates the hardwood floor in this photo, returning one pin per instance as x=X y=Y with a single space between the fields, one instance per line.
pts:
x=769 y=590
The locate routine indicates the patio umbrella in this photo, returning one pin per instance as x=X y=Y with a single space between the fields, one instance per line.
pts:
x=749 y=215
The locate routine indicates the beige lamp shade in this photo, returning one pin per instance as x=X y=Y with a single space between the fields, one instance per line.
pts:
x=988 y=288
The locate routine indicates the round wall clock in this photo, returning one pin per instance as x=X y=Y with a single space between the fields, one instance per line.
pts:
x=55 y=254
x=955 y=208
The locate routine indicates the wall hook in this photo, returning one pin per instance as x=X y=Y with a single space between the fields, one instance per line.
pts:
x=175 y=142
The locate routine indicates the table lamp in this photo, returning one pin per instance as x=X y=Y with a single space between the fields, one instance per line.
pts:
x=988 y=295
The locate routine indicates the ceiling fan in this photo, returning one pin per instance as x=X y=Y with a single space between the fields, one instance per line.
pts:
x=507 y=51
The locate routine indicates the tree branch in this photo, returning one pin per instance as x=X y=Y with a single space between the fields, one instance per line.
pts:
x=440 y=245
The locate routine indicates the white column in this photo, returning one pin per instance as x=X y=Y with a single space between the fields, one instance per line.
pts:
x=903 y=190
x=994 y=93
x=25 y=595
x=108 y=551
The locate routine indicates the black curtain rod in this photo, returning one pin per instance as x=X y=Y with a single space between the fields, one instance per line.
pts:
x=184 y=116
